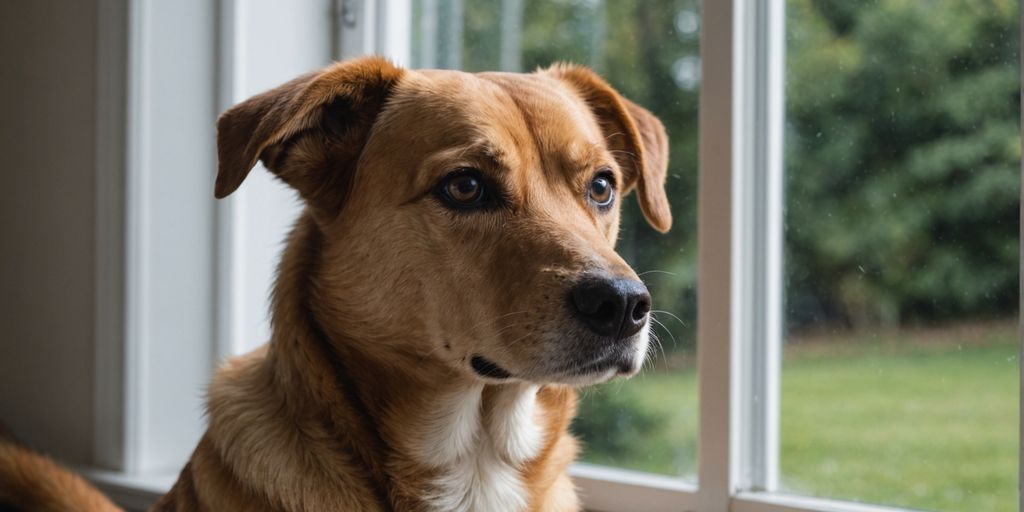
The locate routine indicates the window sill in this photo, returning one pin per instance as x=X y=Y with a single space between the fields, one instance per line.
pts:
x=133 y=491
x=602 y=488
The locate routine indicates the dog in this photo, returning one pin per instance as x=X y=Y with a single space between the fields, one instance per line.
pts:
x=451 y=280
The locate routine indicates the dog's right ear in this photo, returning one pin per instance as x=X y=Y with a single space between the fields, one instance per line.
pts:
x=309 y=132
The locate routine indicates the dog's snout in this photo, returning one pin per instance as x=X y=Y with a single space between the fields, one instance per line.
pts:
x=611 y=307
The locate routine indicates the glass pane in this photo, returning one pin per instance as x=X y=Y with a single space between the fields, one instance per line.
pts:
x=649 y=52
x=900 y=373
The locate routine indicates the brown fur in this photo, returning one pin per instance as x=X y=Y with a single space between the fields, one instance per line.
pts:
x=384 y=295
x=29 y=481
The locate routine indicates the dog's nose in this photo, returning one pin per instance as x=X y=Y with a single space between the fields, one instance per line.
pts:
x=611 y=307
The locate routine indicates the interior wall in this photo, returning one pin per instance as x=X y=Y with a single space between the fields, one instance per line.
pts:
x=47 y=205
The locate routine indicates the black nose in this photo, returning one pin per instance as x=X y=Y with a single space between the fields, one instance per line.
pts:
x=611 y=307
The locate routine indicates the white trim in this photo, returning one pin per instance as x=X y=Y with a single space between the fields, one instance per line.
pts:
x=612 y=489
x=253 y=222
x=165 y=330
x=773 y=25
x=715 y=352
x=426 y=47
x=768 y=502
x=453 y=33
x=132 y=491
x=381 y=27
x=355 y=26
x=394 y=31
x=757 y=233
x=158 y=286
x=231 y=265
x=136 y=298
x=511 y=43
x=111 y=129
x=607 y=489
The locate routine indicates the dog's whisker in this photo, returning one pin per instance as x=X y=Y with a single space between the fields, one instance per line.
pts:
x=509 y=327
x=624 y=152
x=669 y=331
x=496 y=319
x=656 y=271
x=669 y=313
x=650 y=356
x=519 y=339
x=661 y=348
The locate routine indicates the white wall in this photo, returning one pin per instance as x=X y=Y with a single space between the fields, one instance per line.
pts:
x=47 y=155
x=114 y=310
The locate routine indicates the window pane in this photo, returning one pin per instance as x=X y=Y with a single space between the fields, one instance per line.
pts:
x=900 y=373
x=649 y=52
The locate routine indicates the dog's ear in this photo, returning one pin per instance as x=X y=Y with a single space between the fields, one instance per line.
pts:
x=309 y=132
x=637 y=138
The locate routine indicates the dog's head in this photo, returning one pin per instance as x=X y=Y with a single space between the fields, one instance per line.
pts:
x=467 y=219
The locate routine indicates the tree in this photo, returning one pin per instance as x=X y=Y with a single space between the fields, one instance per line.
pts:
x=902 y=160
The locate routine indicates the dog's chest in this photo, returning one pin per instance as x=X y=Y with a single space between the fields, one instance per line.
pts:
x=478 y=452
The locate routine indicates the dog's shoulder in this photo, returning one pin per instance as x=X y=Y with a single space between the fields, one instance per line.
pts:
x=260 y=438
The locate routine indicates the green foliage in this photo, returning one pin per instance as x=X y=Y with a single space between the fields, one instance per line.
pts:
x=902 y=162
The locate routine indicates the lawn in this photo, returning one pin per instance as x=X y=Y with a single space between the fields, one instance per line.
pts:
x=920 y=419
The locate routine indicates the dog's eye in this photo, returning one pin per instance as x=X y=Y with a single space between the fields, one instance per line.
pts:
x=602 y=190
x=463 y=189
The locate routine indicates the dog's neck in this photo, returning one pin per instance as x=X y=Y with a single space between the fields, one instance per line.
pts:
x=460 y=443
x=476 y=440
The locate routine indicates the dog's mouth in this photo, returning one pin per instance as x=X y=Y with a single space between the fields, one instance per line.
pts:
x=618 y=363
x=486 y=368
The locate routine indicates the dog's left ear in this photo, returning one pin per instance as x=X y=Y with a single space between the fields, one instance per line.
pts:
x=637 y=138
x=309 y=132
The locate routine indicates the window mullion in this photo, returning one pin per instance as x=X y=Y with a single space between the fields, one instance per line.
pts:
x=714 y=225
x=355 y=24
x=758 y=254
x=371 y=27
x=231 y=276
x=394 y=31
x=510 y=49
x=740 y=314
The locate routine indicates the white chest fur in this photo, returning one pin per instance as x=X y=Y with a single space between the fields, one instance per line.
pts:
x=478 y=454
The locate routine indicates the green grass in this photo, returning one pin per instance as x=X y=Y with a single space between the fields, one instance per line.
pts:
x=920 y=419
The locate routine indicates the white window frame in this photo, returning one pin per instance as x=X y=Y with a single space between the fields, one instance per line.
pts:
x=740 y=214
x=182 y=279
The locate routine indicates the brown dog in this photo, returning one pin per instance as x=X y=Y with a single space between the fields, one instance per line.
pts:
x=452 y=278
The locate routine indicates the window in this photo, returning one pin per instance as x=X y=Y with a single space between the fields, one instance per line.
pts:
x=902 y=179
x=845 y=182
